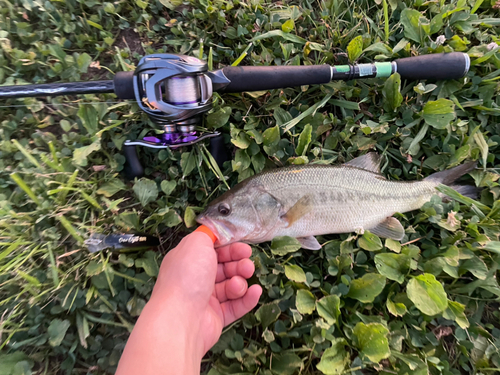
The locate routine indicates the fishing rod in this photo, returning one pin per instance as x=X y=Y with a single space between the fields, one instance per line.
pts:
x=176 y=90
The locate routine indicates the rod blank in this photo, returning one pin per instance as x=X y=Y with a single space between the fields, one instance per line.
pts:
x=56 y=89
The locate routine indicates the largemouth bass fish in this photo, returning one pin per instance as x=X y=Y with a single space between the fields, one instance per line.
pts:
x=309 y=200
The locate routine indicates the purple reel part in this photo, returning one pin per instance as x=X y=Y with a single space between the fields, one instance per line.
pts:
x=169 y=139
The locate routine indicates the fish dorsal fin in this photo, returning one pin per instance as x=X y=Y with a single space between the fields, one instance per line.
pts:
x=300 y=208
x=389 y=228
x=309 y=243
x=369 y=162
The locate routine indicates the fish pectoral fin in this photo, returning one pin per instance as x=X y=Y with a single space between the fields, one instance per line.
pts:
x=300 y=208
x=309 y=243
x=389 y=228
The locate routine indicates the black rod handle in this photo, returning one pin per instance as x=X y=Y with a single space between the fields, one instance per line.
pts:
x=438 y=66
x=133 y=167
x=256 y=78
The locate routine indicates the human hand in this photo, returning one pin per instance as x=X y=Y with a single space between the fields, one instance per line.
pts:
x=211 y=282
x=199 y=291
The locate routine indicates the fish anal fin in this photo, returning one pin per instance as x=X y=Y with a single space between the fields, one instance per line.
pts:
x=299 y=209
x=369 y=162
x=389 y=228
x=309 y=243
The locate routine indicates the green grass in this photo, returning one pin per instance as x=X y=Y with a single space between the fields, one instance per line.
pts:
x=64 y=310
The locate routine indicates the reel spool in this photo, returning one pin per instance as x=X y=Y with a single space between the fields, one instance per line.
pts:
x=172 y=88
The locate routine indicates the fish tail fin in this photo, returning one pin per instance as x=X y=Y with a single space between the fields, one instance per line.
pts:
x=449 y=176
x=467 y=190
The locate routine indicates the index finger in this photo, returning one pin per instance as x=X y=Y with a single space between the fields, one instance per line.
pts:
x=234 y=251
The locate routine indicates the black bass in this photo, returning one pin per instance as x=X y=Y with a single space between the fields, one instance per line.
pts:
x=310 y=200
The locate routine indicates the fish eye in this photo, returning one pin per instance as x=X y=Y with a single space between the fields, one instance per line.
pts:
x=224 y=209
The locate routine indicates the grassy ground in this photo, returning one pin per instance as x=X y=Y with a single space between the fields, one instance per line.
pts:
x=432 y=299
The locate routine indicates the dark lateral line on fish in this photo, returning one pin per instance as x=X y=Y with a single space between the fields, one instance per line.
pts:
x=357 y=194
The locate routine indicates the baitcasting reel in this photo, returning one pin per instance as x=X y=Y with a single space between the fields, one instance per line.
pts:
x=176 y=90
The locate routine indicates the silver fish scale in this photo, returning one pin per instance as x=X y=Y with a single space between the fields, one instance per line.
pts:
x=342 y=198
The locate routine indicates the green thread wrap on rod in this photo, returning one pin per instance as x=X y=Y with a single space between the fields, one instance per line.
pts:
x=384 y=69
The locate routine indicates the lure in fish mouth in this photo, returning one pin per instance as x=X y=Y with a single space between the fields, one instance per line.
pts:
x=310 y=200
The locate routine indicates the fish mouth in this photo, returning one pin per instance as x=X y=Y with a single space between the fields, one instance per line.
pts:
x=221 y=231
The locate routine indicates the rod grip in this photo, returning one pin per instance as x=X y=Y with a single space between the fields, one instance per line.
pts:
x=437 y=66
x=133 y=167
x=124 y=85
x=256 y=78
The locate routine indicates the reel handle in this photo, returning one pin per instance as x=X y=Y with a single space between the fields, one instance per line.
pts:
x=218 y=150
x=133 y=167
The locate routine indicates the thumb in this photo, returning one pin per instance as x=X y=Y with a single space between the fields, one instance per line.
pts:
x=198 y=244
x=190 y=268
x=194 y=248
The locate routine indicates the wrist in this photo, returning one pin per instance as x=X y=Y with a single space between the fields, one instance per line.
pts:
x=166 y=336
x=177 y=322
